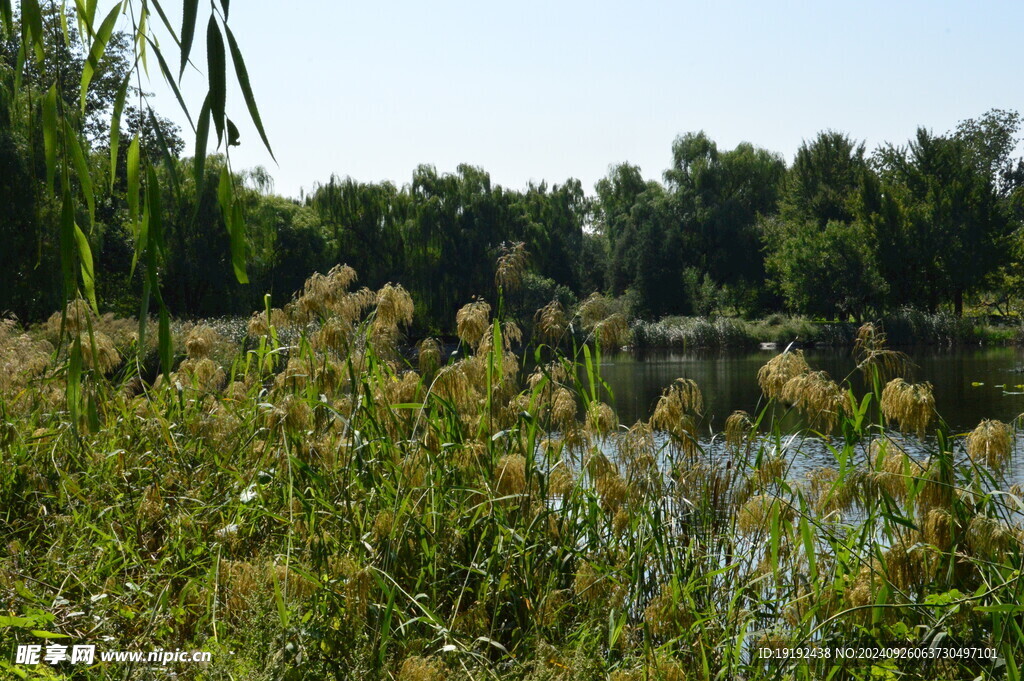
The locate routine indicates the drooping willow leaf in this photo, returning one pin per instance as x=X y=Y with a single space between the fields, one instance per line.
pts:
x=99 y=46
x=216 y=66
x=243 y=82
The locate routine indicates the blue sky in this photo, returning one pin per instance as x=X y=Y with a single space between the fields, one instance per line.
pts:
x=551 y=90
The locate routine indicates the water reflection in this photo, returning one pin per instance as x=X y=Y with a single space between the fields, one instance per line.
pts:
x=969 y=384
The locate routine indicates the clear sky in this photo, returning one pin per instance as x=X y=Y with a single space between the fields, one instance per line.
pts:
x=550 y=90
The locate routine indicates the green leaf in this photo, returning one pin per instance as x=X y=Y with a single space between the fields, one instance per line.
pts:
x=88 y=272
x=7 y=16
x=170 y=81
x=133 y=181
x=231 y=210
x=167 y=22
x=188 y=31
x=99 y=46
x=67 y=244
x=82 y=170
x=233 y=136
x=32 y=27
x=808 y=539
x=202 y=135
x=243 y=82
x=73 y=390
x=115 y=127
x=1001 y=607
x=165 y=152
x=48 y=634
x=50 y=134
x=166 y=347
x=216 y=66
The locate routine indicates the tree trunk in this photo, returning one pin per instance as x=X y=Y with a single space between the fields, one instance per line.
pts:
x=958 y=303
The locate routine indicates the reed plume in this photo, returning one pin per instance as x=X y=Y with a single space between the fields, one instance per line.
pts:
x=551 y=321
x=872 y=354
x=991 y=442
x=429 y=356
x=909 y=405
x=511 y=266
x=472 y=321
x=779 y=370
x=737 y=429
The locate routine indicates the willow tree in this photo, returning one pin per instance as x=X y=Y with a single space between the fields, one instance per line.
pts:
x=38 y=87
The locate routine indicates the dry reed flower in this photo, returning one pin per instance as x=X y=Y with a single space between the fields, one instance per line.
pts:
x=199 y=342
x=737 y=429
x=990 y=536
x=676 y=409
x=563 y=409
x=595 y=308
x=472 y=321
x=511 y=266
x=910 y=405
x=429 y=357
x=21 y=357
x=453 y=384
x=818 y=397
x=78 y=318
x=511 y=475
x=98 y=352
x=872 y=355
x=992 y=443
x=636 y=442
x=612 y=491
x=298 y=417
x=755 y=515
x=665 y=615
x=353 y=582
x=394 y=309
x=601 y=418
x=612 y=332
x=561 y=480
x=589 y=585
x=418 y=668
x=202 y=373
x=335 y=335
x=259 y=325
x=295 y=375
x=601 y=319
x=828 y=496
x=905 y=564
x=938 y=528
x=323 y=295
x=892 y=469
x=779 y=370
x=551 y=321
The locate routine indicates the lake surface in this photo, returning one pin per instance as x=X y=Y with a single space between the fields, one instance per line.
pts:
x=728 y=380
x=969 y=384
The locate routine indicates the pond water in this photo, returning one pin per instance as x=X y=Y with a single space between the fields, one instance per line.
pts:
x=970 y=384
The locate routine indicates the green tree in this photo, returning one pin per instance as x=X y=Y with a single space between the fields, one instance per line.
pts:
x=950 y=227
x=827 y=271
x=720 y=197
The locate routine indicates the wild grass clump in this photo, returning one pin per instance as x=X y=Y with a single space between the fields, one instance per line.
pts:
x=327 y=508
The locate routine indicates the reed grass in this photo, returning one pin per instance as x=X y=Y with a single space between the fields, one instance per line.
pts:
x=319 y=508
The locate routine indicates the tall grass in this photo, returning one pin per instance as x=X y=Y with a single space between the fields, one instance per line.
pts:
x=321 y=509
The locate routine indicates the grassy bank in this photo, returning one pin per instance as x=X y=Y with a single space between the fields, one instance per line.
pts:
x=905 y=328
x=326 y=509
